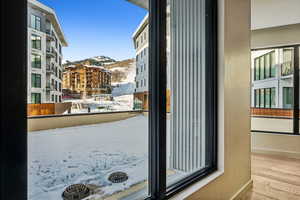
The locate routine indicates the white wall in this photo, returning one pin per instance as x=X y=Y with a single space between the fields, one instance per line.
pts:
x=271 y=13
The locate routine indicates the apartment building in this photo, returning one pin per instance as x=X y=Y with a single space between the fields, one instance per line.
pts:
x=86 y=80
x=45 y=42
x=272 y=78
x=141 y=43
x=140 y=39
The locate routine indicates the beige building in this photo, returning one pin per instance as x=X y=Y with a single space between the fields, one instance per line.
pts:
x=86 y=80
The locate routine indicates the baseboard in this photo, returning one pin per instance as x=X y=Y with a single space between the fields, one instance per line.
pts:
x=289 y=154
x=243 y=191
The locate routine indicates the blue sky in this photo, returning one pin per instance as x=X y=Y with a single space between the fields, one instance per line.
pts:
x=97 y=27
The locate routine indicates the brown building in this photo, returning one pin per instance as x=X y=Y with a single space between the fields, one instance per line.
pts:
x=87 y=80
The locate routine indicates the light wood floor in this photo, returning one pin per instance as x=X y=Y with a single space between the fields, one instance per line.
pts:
x=274 y=178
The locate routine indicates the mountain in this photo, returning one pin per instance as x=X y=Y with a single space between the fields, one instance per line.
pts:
x=97 y=60
x=122 y=71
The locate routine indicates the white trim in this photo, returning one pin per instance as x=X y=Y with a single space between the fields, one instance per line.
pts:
x=144 y=21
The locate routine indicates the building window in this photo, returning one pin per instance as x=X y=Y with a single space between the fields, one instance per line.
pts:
x=60 y=99
x=60 y=48
x=52 y=97
x=137 y=84
x=287 y=65
x=265 y=66
x=36 y=61
x=36 y=22
x=60 y=87
x=265 y=98
x=256 y=97
x=36 y=42
x=36 y=80
x=55 y=98
x=287 y=97
x=35 y=98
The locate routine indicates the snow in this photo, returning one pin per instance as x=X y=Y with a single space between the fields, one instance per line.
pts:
x=123 y=89
x=119 y=103
x=87 y=154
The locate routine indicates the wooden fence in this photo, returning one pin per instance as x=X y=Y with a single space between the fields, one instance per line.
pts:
x=47 y=109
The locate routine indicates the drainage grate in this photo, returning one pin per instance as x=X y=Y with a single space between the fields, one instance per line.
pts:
x=76 y=192
x=118 y=177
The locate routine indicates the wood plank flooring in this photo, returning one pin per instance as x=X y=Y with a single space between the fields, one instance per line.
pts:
x=274 y=178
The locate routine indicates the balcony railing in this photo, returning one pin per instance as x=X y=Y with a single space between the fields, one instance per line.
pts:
x=50 y=52
x=49 y=69
x=50 y=87
x=49 y=35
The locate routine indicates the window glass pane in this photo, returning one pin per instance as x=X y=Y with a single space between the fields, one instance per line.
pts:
x=273 y=64
x=108 y=157
x=186 y=90
x=262 y=98
x=267 y=98
x=273 y=97
x=257 y=69
x=257 y=103
x=287 y=97
x=32 y=18
x=262 y=68
x=267 y=65
x=287 y=67
x=274 y=112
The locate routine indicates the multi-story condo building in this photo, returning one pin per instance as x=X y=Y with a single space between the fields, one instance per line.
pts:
x=86 y=80
x=45 y=42
x=141 y=41
x=272 y=78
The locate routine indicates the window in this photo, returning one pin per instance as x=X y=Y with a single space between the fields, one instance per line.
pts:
x=262 y=68
x=265 y=66
x=36 y=42
x=262 y=98
x=265 y=98
x=35 y=98
x=60 y=87
x=137 y=84
x=273 y=97
x=273 y=63
x=36 y=80
x=257 y=67
x=257 y=97
x=204 y=126
x=36 y=61
x=36 y=22
x=287 y=65
x=60 y=49
x=60 y=98
x=287 y=97
x=52 y=97
x=56 y=99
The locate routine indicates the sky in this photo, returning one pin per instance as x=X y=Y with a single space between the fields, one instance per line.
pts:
x=97 y=27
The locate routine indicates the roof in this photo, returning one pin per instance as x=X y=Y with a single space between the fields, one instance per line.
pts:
x=51 y=15
x=141 y=27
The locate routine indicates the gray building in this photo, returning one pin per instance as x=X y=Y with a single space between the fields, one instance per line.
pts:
x=45 y=42
x=272 y=78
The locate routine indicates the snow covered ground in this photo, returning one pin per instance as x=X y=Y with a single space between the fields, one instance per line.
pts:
x=58 y=158
x=119 y=103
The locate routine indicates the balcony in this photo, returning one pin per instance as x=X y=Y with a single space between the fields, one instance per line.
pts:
x=49 y=69
x=50 y=87
x=49 y=35
x=50 y=52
